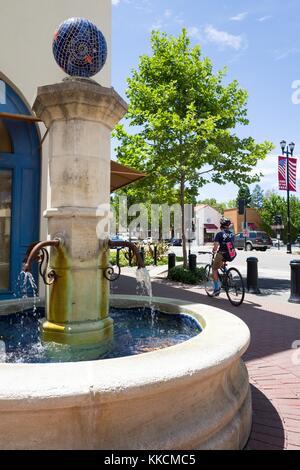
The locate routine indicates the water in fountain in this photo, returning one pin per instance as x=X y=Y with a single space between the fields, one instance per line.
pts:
x=134 y=333
x=27 y=287
x=2 y=350
x=144 y=287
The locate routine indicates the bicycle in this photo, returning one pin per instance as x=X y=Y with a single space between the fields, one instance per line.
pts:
x=231 y=281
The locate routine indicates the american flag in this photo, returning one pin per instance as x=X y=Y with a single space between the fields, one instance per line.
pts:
x=282 y=173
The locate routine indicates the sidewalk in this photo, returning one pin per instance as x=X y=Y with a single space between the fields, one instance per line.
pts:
x=273 y=364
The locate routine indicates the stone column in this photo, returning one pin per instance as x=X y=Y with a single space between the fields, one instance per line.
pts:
x=79 y=115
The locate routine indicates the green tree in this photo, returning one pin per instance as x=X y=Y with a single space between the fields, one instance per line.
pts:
x=277 y=205
x=244 y=193
x=231 y=204
x=257 y=197
x=212 y=202
x=183 y=118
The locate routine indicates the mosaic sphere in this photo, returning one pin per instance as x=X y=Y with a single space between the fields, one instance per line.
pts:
x=79 y=47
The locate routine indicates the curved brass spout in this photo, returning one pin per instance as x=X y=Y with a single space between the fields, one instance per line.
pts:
x=34 y=253
x=130 y=245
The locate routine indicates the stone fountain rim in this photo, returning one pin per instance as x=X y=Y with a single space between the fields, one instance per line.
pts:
x=223 y=341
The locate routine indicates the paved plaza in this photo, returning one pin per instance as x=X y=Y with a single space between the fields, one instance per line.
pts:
x=272 y=360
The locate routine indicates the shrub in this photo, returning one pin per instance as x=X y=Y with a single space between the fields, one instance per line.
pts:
x=123 y=261
x=162 y=250
x=162 y=258
x=181 y=274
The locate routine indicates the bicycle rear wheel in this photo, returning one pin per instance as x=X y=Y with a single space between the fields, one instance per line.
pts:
x=208 y=283
x=234 y=286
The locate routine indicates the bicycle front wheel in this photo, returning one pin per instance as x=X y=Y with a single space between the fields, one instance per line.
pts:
x=235 y=289
x=208 y=282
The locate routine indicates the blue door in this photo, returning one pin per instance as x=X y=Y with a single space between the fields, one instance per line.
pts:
x=19 y=190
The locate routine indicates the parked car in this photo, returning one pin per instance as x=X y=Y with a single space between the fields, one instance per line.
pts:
x=117 y=238
x=147 y=240
x=125 y=236
x=277 y=242
x=176 y=242
x=134 y=240
x=256 y=241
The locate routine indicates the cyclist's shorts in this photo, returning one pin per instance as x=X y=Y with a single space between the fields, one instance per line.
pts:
x=218 y=261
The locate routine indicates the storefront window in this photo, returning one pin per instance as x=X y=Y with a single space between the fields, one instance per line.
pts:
x=5 y=227
x=209 y=236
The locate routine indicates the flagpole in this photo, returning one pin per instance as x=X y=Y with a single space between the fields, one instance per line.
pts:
x=289 y=245
x=288 y=151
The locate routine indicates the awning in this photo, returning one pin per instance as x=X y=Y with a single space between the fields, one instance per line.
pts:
x=211 y=227
x=123 y=175
x=120 y=175
x=19 y=117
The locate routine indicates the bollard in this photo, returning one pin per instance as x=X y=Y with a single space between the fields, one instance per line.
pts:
x=171 y=261
x=192 y=262
x=252 y=276
x=155 y=255
x=295 y=282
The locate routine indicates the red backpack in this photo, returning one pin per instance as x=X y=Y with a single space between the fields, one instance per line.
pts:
x=231 y=252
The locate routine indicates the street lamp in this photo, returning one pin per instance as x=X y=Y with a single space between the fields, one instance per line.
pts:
x=288 y=150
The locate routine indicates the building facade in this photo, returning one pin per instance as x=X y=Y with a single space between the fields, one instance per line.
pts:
x=26 y=62
x=207 y=220
x=253 y=220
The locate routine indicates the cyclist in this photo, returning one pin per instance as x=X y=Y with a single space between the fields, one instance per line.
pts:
x=224 y=250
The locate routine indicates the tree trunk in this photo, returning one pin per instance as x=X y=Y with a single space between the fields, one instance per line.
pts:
x=182 y=201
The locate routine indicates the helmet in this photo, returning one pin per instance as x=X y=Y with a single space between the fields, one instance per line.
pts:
x=225 y=222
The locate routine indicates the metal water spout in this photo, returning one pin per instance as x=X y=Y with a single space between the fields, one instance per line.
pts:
x=131 y=246
x=37 y=252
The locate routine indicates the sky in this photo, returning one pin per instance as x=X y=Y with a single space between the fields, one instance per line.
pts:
x=259 y=42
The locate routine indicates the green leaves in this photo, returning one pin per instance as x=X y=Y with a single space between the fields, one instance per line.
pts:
x=257 y=197
x=274 y=205
x=183 y=120
x=244 y=194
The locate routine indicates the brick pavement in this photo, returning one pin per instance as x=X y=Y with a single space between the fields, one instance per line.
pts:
x=274 y=375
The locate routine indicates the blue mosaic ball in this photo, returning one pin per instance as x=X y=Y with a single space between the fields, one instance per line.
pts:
x=79 y=47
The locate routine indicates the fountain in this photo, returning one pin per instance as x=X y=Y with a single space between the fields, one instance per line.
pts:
x=194 y=395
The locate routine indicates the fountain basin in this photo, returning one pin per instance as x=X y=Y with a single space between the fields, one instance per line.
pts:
x=194 y=395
